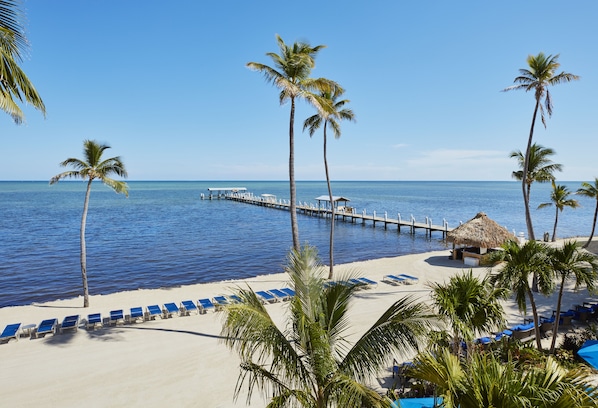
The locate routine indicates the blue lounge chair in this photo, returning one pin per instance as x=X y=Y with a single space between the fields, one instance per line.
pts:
x=279 y=294
x=288 y=291
x=188 y=306
x=235 y=299
x=503 y=334
x=136 y=314
x=266 y=297
x=117 y=317
x=11 y=331
x=394 y=280
x=171 y=309
x=408 y=278
x=220 y=302
x=94 y=320
x=368 y=281
x=524 y=332
x=205 y=305
x=356 y=282
x=483 y=340
x=70 y=323
x=153 y=311
x=47 y=326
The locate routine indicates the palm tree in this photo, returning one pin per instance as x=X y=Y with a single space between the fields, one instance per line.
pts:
x=291 y=75
x=485 y=381
x=591 y=191
x=518 y=264
x=330 y=118
x=569 y=262
x=311 y=363
x=540 y=167
x=92 y=167
x=539 y=75
x=14 y=84
x=472 y=306
x=560 y=198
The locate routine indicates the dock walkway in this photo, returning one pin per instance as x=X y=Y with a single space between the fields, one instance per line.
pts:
x=347 y=214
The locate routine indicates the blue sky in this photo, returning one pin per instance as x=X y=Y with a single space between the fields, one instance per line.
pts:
x=165 y=84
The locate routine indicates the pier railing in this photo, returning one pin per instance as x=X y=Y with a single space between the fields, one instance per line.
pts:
x=347 y=214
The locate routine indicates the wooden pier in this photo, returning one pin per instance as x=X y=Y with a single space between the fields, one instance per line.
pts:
x=346 y=214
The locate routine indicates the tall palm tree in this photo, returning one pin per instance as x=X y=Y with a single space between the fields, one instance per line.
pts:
x=92 y=167
x=485 y=381
x=330 y=118
x=569 y=263
x=591 y=191
x=311 y=363
x=291 y=74
x=540 y=74
x=518 y=264
x=540 y=168
x=560 y=198
x=472 y=306
x=14 y=84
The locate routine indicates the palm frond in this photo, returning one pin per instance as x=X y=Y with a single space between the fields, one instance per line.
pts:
x=399 y=331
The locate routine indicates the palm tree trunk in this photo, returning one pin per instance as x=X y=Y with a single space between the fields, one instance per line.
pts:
x=557 y=318
x=556 y=220
x=593 y=226
x=330 y=273
x=532 y=302
x=83 y=248
x=528 y=217
x=293 y=192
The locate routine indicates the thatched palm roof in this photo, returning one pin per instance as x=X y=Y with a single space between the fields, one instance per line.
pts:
x=481 y=232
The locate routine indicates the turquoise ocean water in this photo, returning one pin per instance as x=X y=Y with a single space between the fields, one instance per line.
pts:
x=164 y=235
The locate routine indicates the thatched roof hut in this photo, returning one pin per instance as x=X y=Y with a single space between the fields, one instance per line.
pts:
x=480 y=232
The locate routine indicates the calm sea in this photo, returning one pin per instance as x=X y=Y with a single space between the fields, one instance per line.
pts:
x=164 y=235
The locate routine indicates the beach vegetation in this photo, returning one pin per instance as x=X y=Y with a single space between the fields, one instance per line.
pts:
x=92 y=167
x=472 y=306
x=291 y=74
x=516 y=265
x=540 y=168
x=484 y=380
x=15 y=86
x=591 y=191
x=560 y=198
x=569 y=263
x=540 y=74
x=332 y=113
x=310 y=362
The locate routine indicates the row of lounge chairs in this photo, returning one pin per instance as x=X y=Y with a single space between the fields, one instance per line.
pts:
x=47 y=326
x=137 y=314
x=400 y=279
x=526 y=332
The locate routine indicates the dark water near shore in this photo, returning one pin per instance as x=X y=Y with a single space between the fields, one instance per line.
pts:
x=164 y=235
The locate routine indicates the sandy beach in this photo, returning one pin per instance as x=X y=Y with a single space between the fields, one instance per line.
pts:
x=181 y=362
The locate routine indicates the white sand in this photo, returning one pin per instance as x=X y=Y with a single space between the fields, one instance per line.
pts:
x=181 y=362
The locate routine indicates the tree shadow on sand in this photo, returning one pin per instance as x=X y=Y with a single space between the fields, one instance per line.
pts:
x=446 y=262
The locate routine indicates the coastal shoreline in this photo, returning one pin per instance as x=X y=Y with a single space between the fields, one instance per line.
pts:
x=182 y=361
